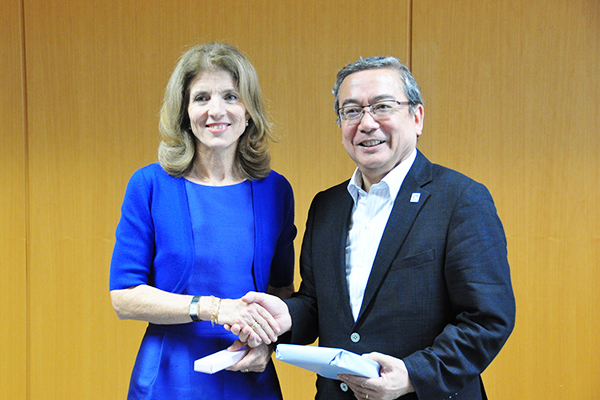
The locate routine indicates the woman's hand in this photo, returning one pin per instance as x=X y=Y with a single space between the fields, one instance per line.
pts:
x=255 y=360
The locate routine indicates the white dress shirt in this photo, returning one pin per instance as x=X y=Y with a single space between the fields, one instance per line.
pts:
x=370 y=214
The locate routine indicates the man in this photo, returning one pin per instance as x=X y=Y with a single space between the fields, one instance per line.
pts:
x=407 y=261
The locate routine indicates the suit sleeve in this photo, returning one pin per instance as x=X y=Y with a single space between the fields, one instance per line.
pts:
x=478 y=281
x=303 y=304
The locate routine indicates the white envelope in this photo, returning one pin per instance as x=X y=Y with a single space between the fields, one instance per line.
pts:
x=218 y=361
x=326 y=361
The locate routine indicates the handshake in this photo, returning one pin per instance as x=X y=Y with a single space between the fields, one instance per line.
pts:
x=258 y=318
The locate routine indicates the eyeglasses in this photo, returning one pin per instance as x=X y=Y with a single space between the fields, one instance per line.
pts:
x=380 y=109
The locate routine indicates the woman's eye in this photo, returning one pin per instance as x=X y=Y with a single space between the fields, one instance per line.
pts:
x=201 y=98
x=231 y=97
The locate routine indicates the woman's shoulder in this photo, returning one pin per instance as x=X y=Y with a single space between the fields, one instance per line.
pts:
x=152 y=179
x=273 y=188
x=274 y=179
x=152 y=173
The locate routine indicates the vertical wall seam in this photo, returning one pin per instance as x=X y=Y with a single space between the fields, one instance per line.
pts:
x=26 y=181
x=410 y=33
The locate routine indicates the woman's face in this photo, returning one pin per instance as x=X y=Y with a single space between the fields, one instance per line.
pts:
x=217 y=114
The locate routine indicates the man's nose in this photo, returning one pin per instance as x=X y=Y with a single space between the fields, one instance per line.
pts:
x=367 y=121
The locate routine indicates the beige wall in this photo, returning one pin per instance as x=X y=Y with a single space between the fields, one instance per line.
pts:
x=511 y=92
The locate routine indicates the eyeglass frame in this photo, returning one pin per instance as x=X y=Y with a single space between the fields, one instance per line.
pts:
x=370 y=106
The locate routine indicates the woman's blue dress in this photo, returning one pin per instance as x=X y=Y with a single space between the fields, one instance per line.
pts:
x=223 y=230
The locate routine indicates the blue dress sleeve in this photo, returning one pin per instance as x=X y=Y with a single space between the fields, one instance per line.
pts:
x=134 y=247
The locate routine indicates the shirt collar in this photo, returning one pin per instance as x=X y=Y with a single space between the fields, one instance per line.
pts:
x=393 y=180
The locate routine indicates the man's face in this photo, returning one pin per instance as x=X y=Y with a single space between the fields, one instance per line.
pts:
x=378 y=144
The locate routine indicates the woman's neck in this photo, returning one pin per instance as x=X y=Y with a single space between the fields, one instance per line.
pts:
x=214 y=171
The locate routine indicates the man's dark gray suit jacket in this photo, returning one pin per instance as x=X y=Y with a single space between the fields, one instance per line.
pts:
x=439 y=296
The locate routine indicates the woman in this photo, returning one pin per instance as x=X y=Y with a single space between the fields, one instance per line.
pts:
x=205 y=226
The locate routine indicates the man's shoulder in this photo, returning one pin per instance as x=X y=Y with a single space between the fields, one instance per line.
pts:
x=335 y=192
x=454 y=184
x=443 y=172
x=440 y=178
x=440 y=173
x=334 y=196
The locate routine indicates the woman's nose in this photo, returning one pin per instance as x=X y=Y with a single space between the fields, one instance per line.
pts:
x=215 y=107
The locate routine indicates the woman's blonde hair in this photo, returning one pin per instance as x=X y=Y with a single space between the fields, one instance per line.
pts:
x=177 y=150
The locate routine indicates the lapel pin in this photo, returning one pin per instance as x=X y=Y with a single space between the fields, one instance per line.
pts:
x=414 y=198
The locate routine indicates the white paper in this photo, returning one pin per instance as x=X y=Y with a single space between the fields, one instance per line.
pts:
x=218 y=361
x=326 y=361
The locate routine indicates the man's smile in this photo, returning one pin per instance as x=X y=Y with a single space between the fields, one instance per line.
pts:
x=371 y=143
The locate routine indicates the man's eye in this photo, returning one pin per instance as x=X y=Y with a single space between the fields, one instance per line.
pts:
x=350 y=111
x=382 y=107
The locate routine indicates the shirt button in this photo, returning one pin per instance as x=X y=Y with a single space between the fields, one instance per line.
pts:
x=355 y=337
x=344 y=387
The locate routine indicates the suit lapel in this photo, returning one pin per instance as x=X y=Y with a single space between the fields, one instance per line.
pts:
x=406 y=209
x=340 y=224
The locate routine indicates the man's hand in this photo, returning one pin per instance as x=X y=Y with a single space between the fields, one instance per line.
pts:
x=392 y=383
x=275 y=306
x=257 y=323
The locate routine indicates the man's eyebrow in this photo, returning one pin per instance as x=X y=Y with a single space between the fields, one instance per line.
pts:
x=349 y=101
x=382 y=97
x=375 y=99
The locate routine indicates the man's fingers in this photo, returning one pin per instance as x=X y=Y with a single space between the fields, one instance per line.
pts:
x=273 y=324
x=265 y=334
x=264 y=330
x=249 y=298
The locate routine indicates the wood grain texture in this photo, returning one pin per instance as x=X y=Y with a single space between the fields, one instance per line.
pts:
x=96 y=74
x=512 y=91
x=13 y=222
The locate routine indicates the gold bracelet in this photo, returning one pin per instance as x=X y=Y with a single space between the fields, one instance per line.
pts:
x=217 y=313
x=214 y=310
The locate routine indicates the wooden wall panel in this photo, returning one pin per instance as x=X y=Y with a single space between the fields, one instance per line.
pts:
x=96 y=72
x=13 y=267
x=512 y=91
x=92 y=122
